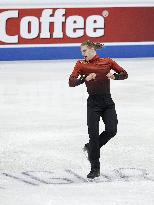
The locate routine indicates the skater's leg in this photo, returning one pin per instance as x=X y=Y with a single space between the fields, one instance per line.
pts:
x=110 y=120
x=93 y=118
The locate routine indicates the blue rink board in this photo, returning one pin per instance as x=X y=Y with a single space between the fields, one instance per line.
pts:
x=73 y=52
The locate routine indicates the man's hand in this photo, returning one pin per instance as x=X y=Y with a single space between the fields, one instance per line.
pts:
x=110 y=76
x=91 y=76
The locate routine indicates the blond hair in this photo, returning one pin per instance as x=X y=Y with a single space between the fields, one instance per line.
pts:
x=92 y=44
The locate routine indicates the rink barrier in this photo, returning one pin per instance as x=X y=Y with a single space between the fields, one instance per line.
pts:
x=56 y=33
x=73 y=52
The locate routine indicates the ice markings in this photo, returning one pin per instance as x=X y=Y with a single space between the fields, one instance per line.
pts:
x=49 y=177
x=68 y=176
x=20 y=178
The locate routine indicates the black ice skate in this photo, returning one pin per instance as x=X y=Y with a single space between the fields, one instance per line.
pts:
x=94 y=173
x=95 y=169
x=87 y=151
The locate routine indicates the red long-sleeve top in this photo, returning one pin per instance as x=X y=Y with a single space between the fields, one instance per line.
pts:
x=101 y=66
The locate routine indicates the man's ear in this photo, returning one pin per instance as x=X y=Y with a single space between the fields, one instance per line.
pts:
x=93 y=49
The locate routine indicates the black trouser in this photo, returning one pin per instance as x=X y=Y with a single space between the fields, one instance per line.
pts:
x=100 y=106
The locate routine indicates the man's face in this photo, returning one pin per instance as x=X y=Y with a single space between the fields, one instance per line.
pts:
x=88 y=52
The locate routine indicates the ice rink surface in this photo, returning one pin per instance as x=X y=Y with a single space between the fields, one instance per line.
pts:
x=43 y=129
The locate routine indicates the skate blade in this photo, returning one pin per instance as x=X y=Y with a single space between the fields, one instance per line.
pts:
x=96 y=179
x=86 y=154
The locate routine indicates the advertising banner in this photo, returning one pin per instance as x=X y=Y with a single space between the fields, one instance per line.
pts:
x=67 y=28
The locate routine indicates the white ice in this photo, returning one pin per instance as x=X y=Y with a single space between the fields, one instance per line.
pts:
x=43 y=129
